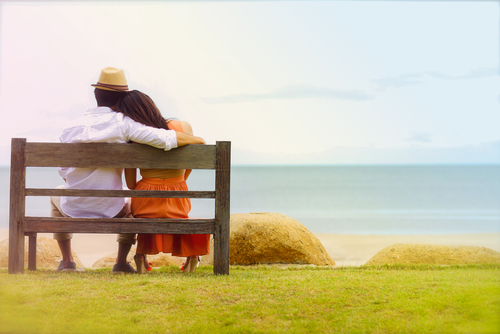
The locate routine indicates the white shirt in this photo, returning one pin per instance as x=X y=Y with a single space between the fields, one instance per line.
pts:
x=102 y=124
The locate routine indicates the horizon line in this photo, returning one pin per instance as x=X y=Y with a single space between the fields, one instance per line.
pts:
x=347 y=165
x=76 y=1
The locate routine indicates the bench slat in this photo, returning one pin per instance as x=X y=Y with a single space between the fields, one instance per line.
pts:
x=119 y=225
x=119 y=193
x=105 y=155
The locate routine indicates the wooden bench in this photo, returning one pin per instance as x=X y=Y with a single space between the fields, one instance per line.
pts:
x=103 y=155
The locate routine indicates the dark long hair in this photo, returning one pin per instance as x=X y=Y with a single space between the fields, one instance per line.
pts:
x=141 y=108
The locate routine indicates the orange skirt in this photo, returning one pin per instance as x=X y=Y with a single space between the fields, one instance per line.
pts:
x=177 y=244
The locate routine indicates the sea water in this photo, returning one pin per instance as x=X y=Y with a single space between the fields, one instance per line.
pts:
x=431 y=199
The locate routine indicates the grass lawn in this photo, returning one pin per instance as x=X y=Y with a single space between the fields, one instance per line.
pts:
x=385 y=299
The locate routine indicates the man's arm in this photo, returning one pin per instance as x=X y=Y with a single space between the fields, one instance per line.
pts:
x=185 y=139
x=159 y=138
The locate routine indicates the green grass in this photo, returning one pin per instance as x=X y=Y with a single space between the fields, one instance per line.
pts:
x=386 y=299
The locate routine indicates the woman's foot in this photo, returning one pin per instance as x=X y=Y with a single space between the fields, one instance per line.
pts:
x=184 y=265
x=141 y=263
x=191 y=264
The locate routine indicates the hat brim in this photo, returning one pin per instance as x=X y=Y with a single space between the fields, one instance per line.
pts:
x=113 y=88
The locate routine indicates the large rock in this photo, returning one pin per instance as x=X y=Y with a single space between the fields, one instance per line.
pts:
x=48 y=254
x=434 y=254
x=273 y=238
x=158 y=260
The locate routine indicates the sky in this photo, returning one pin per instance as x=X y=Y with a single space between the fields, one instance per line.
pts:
x=287 y=82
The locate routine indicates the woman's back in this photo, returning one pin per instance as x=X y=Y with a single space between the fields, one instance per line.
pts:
x=169 y=173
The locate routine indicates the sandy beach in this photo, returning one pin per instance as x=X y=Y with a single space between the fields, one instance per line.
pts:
x=345 y=250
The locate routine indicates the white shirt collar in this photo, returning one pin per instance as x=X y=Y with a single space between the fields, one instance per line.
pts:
x=99 y=110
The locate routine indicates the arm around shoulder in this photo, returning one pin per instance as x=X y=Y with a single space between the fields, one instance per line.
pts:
x=140 y=133
x=186 y=127
x=186 y=137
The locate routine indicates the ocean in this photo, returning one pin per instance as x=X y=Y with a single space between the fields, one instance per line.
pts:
x=379 y=200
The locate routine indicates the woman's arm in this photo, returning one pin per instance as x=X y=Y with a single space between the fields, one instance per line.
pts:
x=131 y=177
x=186 y=127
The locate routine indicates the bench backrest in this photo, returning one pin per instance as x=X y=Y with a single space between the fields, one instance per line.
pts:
x=103 y=155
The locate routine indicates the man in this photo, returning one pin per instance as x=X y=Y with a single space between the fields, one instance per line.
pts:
x=105 y=124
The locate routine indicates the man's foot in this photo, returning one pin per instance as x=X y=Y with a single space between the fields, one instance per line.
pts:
x=124 y=269
x=66 y=266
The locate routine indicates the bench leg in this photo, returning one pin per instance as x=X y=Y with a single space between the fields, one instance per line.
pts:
x=222 y=216
x=16 y=251
x=32 y=252
x=17 y=204
x=221 y=253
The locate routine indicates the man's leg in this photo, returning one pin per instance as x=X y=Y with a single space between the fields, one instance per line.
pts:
x=123 y=250
x=63 y=239
x=125 y=242
x=124 y=245
x=65 y=247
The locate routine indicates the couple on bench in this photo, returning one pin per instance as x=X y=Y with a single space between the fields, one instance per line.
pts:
x=124 y=116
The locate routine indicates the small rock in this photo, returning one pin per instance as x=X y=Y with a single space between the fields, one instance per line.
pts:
x=48 y=254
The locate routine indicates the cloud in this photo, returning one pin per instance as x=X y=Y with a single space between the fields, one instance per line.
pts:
x=295 y=92
x=419 y=137
x=405 y=80
x=400 y=81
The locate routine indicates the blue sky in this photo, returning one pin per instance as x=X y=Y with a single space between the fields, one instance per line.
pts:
x=292 y=82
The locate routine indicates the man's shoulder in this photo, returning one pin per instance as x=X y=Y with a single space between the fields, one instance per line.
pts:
x=100 y=124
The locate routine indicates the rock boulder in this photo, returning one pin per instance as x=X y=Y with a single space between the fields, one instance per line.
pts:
x=273 y=238
x=434 y=254
x=48 y=254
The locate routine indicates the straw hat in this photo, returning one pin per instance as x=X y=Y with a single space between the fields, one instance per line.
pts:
x=112 y=79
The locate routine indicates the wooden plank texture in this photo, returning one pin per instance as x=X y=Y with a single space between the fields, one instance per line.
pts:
x=96 y=155
x=119 y=225
x=119 y=193
x=17 y=206
x=222 y=208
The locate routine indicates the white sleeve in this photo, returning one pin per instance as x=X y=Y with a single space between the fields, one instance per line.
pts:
x=140 y=133
x=63 y=172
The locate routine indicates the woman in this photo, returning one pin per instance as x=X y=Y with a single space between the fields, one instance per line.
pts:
x=142 y=109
